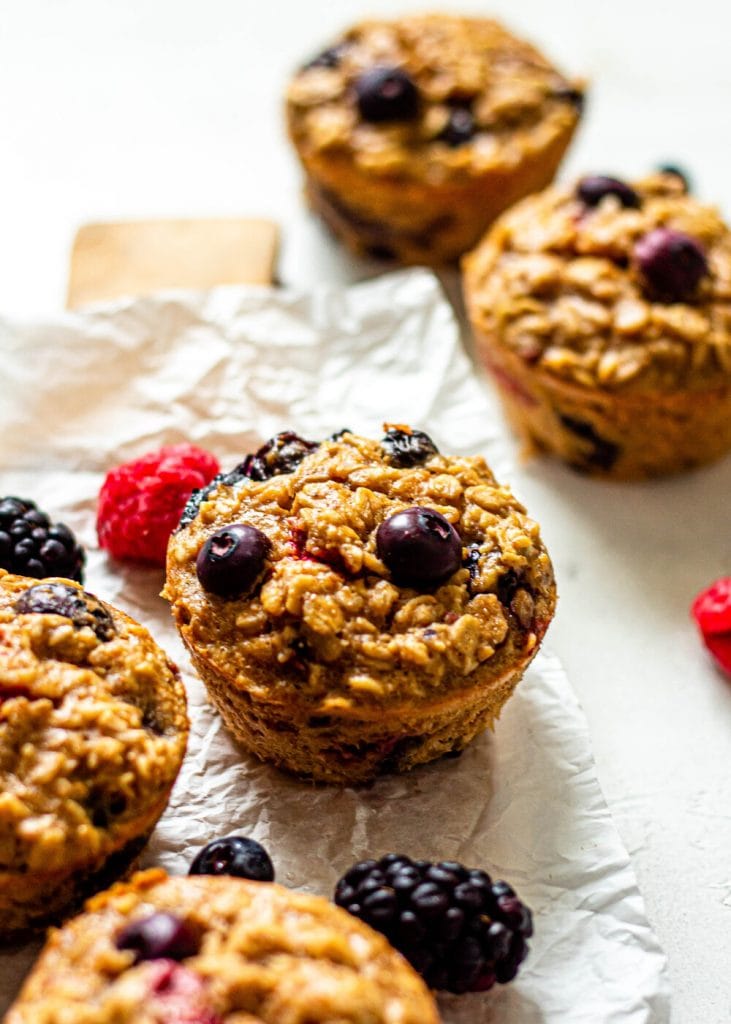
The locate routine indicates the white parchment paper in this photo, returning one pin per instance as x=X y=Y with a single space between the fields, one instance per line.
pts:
x=227 y=369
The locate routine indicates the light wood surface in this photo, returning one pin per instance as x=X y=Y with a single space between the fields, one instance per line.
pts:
x=139 y=257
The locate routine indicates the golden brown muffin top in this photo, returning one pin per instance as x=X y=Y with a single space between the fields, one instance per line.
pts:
x=483 y=98
x=561 y=284
x=265 y=955
x=93 y=725
x=327 y=617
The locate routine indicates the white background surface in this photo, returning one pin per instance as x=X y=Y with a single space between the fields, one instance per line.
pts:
x=169 y=107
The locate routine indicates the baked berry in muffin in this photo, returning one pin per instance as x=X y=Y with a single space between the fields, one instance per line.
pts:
x=207 y=950
x=93 y=729
x=414 y=134
x=358 y=606
x=604 y=314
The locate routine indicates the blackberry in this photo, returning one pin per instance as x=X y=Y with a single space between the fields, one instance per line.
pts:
x=281 y=454
x=406 y=448
x=458 y=928
x=31 y=545
x=59 y=599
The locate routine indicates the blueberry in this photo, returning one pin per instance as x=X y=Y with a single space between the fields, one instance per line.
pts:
x=386 y=94
x=419 y=547
x=459 y=129
x=671 y=264
x=234 y=855
x=593 y=189
x=60 y=599
x=570 y=94
x=676 y=172
x=281 y=454
x=329 y=58
x=157 y=936
x=406 y=448
x=232 y=559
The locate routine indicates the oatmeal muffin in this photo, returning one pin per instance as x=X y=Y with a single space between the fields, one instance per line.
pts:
x=207 y=950
x=93 y=730
x=356 y=606
x=415 y=134
x=604 y=314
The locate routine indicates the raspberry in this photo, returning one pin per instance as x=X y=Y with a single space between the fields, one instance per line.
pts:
x=140 y=502
x=459 y=929
x=712 y=611
x=177 y=995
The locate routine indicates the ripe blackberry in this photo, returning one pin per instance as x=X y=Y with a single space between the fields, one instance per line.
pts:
x=31 y=545
x=458 y=928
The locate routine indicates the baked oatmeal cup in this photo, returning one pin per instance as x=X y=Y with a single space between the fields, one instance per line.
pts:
x=93 y=730
x=414 y=134
x=357 y=606
x=213 y=950
x=603 y=312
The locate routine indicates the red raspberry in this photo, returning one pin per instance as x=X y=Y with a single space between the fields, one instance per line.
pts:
x=177 y=995
x=140 y=502
x=712 y=611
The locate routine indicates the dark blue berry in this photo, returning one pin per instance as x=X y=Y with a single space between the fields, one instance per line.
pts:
x=329 y=58
x=406 y=448
x=157 y=936
x=593 y=189
x=459 y=129
x=676 y=172
x=386 y=94
x=570 y=94
x=234 y=855
x=232 y=560
x=600 y=452
x=281 y=454
x=419 y=546
x=61 y=599
x=198 y=496
x=671 y=265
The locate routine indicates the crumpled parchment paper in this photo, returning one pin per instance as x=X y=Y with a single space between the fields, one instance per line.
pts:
x=226 y=369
